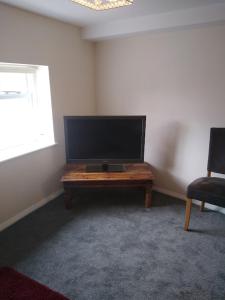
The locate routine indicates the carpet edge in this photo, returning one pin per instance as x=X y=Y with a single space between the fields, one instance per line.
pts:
x=30 y=209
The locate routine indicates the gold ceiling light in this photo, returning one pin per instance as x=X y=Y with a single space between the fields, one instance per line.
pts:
x=103 y=4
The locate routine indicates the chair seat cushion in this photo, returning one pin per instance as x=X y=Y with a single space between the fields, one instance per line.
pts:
x=208 y=189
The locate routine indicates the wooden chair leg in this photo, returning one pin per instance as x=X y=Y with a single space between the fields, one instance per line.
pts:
x=202 y=206
x=188 y=213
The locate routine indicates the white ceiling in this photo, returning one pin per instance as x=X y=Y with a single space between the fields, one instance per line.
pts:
x=90 y=20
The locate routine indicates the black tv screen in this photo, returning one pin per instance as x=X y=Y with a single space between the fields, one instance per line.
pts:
x=104 y=138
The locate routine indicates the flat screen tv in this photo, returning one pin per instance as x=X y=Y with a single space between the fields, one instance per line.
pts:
x=104 y=139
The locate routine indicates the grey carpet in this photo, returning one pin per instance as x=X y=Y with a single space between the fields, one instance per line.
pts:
x=110 y=247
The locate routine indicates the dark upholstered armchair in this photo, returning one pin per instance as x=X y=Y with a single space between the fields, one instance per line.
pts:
x=209 y=189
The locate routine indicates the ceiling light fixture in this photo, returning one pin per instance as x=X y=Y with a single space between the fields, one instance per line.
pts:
x=103 y=4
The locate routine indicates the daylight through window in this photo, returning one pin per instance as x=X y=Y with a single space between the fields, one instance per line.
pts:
x=25 y=109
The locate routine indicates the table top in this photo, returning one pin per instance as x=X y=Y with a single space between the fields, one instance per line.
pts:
x=76 y=172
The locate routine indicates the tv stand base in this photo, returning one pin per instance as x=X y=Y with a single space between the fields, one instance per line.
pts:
x=134 y=175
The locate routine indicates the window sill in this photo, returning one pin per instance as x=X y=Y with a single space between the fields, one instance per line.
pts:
x=24 y=150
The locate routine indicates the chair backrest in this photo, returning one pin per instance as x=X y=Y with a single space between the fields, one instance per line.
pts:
x=216 y=160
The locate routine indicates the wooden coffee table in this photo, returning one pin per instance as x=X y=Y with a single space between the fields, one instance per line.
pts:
x=135 y=175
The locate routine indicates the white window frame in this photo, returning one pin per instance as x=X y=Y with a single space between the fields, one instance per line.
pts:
x=40 y=101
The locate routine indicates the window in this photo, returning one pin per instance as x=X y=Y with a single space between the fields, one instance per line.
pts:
x=25 y=109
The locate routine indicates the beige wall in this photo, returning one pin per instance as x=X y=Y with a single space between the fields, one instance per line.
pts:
x=177 y=79
x=32 y=39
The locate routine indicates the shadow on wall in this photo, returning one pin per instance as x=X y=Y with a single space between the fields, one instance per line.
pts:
x=170 y=136
x=166 y=155
x=169 y=182
x=52 y=182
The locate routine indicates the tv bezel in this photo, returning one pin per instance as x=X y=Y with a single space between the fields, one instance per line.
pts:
x=110 y=160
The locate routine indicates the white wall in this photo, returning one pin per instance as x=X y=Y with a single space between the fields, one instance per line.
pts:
x=177 y=79
x=32 y=39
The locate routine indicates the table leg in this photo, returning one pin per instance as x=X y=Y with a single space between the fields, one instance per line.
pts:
x=148 y=195
x=68 y=198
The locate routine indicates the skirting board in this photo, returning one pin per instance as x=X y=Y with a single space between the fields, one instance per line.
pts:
x=183 y=197
x=52 y=196
x=30 y=209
